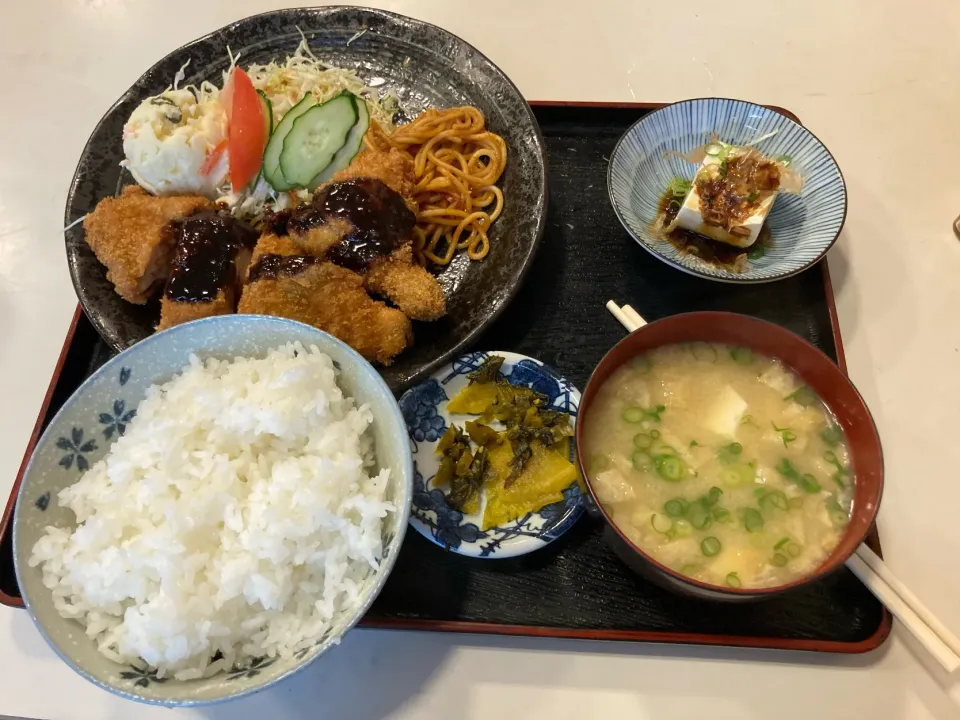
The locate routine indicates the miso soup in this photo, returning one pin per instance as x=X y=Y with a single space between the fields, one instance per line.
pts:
x=720 y=464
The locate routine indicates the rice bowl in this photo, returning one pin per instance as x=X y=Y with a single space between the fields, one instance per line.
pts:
x=279 y=529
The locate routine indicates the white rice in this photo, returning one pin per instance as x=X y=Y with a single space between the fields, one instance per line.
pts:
x=239 y=514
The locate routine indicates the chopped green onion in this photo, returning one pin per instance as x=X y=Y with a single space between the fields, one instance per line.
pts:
x=809 y=483
x=669 y=467
x=793 y=550
x=832 y=435
x=703 y=352
x=681 y=528
x=742 y=355
x=774 y=499
x=676 y=507
x=838 y=516
x=756 y=251
x=710 y=546
x=712 y=497
x=699 y=516
x=661 y=523
x=803 y=396
x=729 y=453
x=733 y=580
x=779 y=559
x=752 y=197
x=806 y=481
x=689 y=569
x=694 y=443
x=633 y=414
x=786 y=434
x=720 y=514
x=642 y=364
x=642 y=441
x=752 y=520
x=655 y=434
x=748 y=420
x=795 y=503
x=641 y=461
x=784 y=160
x=781 y=543
x=663 y=449
x=679 y=187
x=713 y=148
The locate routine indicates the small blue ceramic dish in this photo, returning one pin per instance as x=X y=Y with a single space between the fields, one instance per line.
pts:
x=97 y=414
x=424 y=409
x=802 y=227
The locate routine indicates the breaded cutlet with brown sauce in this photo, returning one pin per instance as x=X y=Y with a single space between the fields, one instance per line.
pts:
x=328 y=297
x=126 y=234
x=209 y=267
x=394 y=169
x=409 y=286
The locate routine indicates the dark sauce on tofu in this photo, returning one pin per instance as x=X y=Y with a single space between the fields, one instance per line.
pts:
x=718 y=254
x=273 y=266
x=208 y=244
x=381 y=220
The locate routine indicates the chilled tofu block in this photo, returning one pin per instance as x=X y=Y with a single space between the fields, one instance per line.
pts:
x=744 y=233
x=724 y=414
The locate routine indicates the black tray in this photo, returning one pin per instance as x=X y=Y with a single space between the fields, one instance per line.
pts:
x=576 y=587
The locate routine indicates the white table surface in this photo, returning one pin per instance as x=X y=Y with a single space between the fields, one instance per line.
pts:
x=876 y=80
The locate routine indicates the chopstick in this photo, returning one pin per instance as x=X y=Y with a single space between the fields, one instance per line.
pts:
x=929 y=631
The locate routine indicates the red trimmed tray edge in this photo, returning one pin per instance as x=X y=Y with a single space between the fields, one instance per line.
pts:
x=873 y=539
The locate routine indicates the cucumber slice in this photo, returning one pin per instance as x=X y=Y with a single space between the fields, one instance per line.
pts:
x=348 y=152
x=315 y=138
x=267 y=108
x=271 y=155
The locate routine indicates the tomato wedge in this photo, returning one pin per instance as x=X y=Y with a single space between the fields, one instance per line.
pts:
x=213 y=159
x=246 y=130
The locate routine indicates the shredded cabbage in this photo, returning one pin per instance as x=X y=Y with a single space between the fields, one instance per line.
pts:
x=286 y=84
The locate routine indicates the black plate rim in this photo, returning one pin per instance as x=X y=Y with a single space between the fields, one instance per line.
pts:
x=70 y=216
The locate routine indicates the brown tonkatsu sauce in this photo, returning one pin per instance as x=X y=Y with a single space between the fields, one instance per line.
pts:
x=381 y=220
x=273 y=266
x=207 y=247
x=711 y=251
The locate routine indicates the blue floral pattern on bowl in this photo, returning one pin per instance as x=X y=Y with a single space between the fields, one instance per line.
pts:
x=424 y=410
x=97 y=415
x=802 y=227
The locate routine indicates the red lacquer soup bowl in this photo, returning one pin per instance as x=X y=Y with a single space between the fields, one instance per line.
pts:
x=815 y=369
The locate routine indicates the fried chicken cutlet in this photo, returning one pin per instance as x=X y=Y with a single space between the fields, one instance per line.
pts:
x=364 y=224
x=393 y=168
x=126 y=234
x=209 y=266
x=409 y=286
x=328 y=297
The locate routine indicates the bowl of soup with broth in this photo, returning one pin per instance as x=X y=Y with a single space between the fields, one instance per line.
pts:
x=730 y=458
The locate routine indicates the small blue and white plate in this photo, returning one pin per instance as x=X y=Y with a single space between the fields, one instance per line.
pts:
x=424 y=408
x=802 y=227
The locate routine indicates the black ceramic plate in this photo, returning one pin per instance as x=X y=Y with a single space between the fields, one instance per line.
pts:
x=426 y=66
